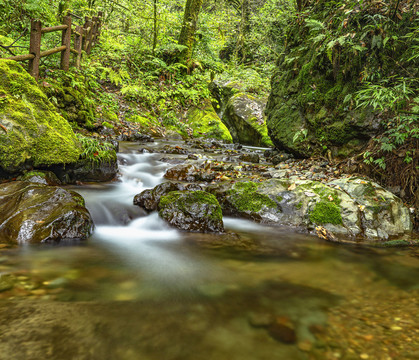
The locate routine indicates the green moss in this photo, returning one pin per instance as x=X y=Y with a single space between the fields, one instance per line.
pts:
x=279 y=198
x=396 y=243
x=325 y=212
x=107 y=125
x=299 y=205
x=35 y=132
x=206 y=123
x=244 y=197
x=190 y=198
x=95 y=151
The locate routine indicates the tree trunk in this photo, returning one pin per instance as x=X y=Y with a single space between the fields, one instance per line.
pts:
x=187 y=34
x=154 y=26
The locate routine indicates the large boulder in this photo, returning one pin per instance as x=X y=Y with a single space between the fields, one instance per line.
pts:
x=32 y=133
x=205 y=122
x=244 y=117
x=352 y=208
x=243 y=199
x=303 y=124
x=196 y=211
x=36 y=213
x=242 y=113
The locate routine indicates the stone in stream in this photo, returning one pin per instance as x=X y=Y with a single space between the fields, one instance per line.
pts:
x=35 y=213
x=189 y=173
x=282 y=329
x=351 y=208
x=250 y=157
x=149 y=199
x=41 y=177
x=196 y=211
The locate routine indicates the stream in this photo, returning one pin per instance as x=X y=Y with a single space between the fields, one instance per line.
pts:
x=139 y=289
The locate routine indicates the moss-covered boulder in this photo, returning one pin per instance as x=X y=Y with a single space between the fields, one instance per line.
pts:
x=196 y=211
x=352 y=208
x=31 y=132
x=35 y=213
x=149 y=199
x=205 y=122
x=97 y=163
x=244 y=117
x=243 y=199
x=383 y=214
x=222 y=91
x=302 y=124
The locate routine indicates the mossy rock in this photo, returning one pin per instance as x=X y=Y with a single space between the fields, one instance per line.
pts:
x=306 y=112
x=32 y=131
x=205 y=122
x=35 y=213
x=148 y=125
x=243 y=199
x=73 y=98
x=41 y=177
x=195 y=211
x=244 y=118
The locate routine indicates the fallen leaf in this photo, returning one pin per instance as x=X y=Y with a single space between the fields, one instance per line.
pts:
x=309 y=193
x=292 y=187
x=330 y=197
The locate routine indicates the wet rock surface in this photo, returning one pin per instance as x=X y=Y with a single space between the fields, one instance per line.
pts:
x=281 y=190
x=35 y=213
x=149 y=199
x=195 y=211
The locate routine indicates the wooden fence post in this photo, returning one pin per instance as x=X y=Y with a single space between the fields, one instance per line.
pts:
x=88 y=34
x=66 y=41
x=78 y=42
x=99 y=15
x=35 y=48
x=94 y=33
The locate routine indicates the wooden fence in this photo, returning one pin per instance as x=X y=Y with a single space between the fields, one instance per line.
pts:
x=85 y=37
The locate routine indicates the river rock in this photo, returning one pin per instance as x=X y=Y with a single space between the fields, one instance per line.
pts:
x=41 y=177
x=243 y=199
x=352 y=208
x=205 y=122
x=196 y=211
x=32 y=133
x=250 y=157
x=85 y=170
x=149 y=199
x=383 y=213
x=189 y=173
x=244 y=118
x=35 y=213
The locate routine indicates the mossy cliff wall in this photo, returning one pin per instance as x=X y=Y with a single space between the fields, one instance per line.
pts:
x=332 y=51
x=31 y=132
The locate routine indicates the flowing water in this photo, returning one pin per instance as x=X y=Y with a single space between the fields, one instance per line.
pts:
x=141 y=290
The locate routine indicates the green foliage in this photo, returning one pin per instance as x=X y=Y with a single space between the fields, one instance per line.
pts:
x=96 y=151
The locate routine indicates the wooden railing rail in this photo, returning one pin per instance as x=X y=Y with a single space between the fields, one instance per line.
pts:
x=85 y=37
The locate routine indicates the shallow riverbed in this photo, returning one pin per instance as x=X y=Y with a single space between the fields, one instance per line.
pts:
x=140 y=290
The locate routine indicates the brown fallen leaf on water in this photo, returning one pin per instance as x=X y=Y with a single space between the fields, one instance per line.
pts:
x=4 y=128
x=325 y=234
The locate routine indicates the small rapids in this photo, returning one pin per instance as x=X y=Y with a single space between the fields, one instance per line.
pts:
x=139 y=289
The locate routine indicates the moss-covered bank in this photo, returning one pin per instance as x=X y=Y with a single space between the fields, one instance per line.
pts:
x=31 y=132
